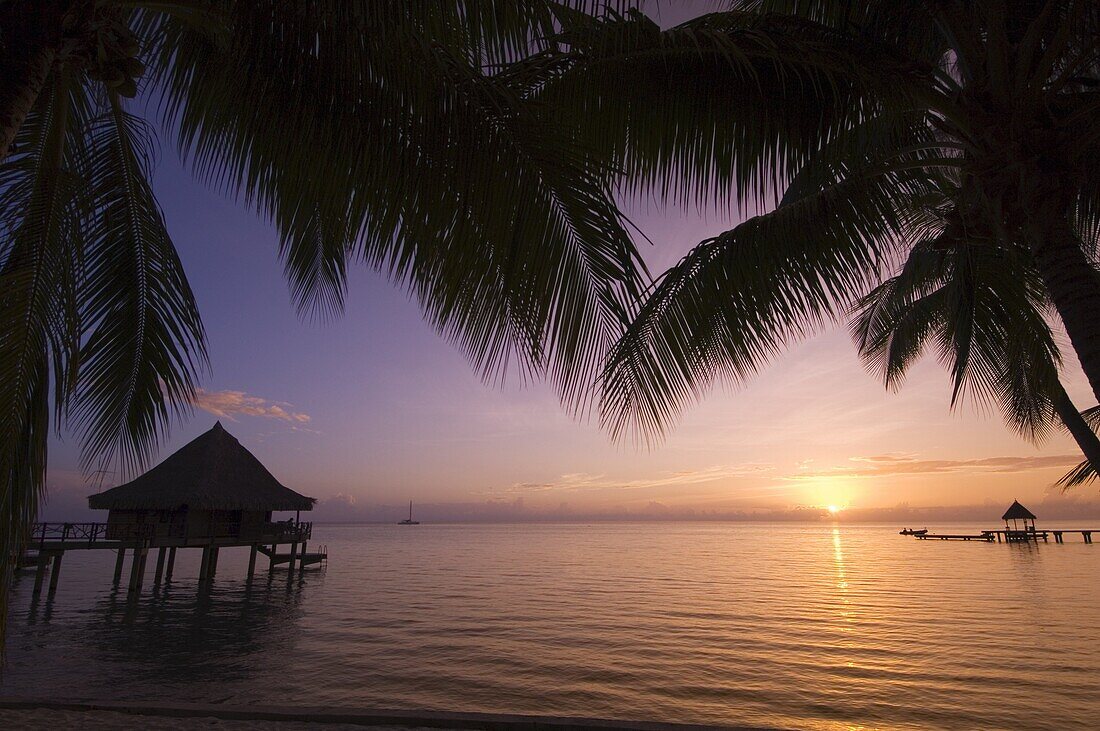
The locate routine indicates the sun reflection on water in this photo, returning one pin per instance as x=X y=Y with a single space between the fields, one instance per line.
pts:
x=841 y=581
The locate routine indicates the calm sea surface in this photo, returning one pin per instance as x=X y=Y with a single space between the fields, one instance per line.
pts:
x=814 y=627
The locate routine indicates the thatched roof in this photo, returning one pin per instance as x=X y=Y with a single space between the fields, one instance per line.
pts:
x=1017 y=512
x=212 y=472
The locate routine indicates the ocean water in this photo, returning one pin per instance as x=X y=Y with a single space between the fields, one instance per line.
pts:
x=795 y=626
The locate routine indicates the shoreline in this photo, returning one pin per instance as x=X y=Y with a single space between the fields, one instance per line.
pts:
x=51 y=714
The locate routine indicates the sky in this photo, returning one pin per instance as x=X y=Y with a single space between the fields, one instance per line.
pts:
x=372 y=409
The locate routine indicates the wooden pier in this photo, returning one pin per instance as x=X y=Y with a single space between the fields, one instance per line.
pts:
x=1022 y=530
x=49 y=542
x=1018 y=536
x=1012 y=536
x=1086 y=534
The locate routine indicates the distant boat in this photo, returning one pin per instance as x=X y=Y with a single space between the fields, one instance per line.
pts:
x=910 y=532
x=409 y=520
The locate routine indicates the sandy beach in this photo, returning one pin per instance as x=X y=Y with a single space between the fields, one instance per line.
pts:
x=40 y=714
x=48 y=719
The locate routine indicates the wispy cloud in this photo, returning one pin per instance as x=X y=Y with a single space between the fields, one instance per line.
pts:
x=579 y=481
x=769 y=480
x=230 y=404
x=908 y=464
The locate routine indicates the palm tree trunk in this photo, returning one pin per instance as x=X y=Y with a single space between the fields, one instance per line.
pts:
x=1074 y=286
x=1082 y=433
x=30 y=38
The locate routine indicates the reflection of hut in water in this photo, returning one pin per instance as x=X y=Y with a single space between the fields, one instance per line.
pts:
x=212 y=493
x=217 y=638
x=1023 y=522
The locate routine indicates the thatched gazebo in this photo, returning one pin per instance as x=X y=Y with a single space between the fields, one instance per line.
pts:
x=1018 y=514
x=212 y=493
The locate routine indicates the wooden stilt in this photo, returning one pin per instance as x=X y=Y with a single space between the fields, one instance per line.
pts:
x=293 y=555
x=252 y=561
x=135 y=560
x=40 y=574
x=160 y=566
x=118 y=565
x=213 y=568
x=55 y=571
x=144 y=561
x=137 y=569
x=271 y=564
x=204 y=564
x=171 y=564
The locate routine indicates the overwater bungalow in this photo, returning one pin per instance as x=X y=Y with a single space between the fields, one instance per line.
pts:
x=211 y=494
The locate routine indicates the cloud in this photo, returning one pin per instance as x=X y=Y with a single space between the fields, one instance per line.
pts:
x=585 y=481
x=770 y=480
x=230 y=404
x=908 y=464
x=344 y=498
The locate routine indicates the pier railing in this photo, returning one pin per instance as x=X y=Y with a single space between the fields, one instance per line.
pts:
x=71 y=533
x=289 y=531
x=81 y=535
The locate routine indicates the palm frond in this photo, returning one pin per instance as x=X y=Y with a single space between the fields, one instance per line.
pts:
x=894 y=322
x=39 y=253
x=1082 y=474
x=510 y=241
x=982 y=309
x=739 y=299
x=144 y=338
x=907 y=27
x=726 y=105
x=1086 y=472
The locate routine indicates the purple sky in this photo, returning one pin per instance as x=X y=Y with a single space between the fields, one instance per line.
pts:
x=372 y=409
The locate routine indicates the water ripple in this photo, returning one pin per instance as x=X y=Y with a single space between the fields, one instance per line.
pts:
x=799 y=626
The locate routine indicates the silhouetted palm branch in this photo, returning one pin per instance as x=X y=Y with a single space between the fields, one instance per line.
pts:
x=782 y=100
x=738 y=300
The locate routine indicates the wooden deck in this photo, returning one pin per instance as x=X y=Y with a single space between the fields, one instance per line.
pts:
x=1018 y=536
x=303 y=558
x=1086 y=534
x=48 y=542
x=72 y=536
x=1011 y=536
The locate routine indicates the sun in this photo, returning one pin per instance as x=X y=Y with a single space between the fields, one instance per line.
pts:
x=834 y=509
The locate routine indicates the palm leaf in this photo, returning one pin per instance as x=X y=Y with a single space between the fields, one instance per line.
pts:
x=729 y=105
x=510 y=240
x=983 y=312
x=144 y=339
x=738 y=300
x=1086 y=471
x=39 y=251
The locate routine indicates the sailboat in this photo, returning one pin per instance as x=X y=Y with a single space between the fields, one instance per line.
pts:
x=409 y=520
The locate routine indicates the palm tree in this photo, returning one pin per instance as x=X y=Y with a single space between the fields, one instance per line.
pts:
x=372 y=132
x=984 y=315
x=858 y=118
